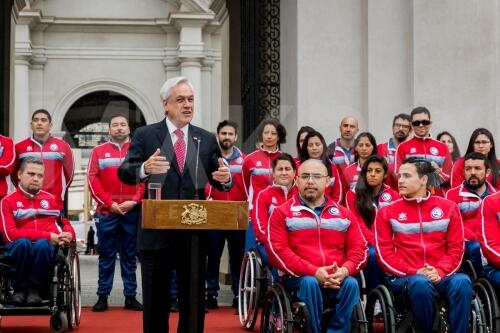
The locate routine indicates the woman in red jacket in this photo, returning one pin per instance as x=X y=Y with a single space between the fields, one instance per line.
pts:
x=370 y=194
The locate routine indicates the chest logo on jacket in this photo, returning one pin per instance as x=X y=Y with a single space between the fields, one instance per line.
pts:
x=334 y=211
x=53 y=147
x=402 y=217
x=386 y=197
x=434 y=151
x=44 y=204
x=437 y=213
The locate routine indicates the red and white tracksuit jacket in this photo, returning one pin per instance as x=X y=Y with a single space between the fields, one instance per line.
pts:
x=7 y=158
x=237 y=191
x=340 y=158
x=299 y=241
x=428 y=149
x=469 y=204
x=387 y=150
x=267 y=200
x=351 y=175
x=257 y=173
x=457 y=174
x=490 y=229
x=410 y=233
x=57 y=158
x=385 y=196
x=102 y=175
x=31 y=216
x=336 y=186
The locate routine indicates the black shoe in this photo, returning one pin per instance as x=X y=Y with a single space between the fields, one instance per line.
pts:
x=101 y=305
x=235 y=302
x=18 y=298
x=33 y=298
x=211 y=303
x=132 y=304
x=174 y=305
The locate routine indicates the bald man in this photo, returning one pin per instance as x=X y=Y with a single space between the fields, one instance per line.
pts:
x=341 y=151
x=318 y=269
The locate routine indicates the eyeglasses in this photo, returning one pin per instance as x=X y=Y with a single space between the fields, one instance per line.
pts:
x=482 y=143
x=401 y=126
x=417 y=123
x=315 y=176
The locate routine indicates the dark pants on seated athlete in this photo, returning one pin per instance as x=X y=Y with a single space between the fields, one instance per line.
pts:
x=455 y=289
x=31 y=263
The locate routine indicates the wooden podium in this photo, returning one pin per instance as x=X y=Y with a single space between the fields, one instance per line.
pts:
x=194 y=215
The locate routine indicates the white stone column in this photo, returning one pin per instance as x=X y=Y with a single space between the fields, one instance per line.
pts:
x=20 y=121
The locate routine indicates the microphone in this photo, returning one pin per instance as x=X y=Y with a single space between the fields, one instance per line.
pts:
x=196 y=194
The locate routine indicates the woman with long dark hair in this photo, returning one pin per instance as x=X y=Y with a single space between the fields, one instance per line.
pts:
x=481 y=141
x=364 y=201
x=315 y=147
x=365 y=146
x=450 y=142
x=301 y=136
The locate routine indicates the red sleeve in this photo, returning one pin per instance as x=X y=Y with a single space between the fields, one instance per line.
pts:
x=139 y=193
x=245 y=173
x=457 y=173
x=260 y=217
x=208 y=191
x=388 y=257
x=95 y=186
x=355 y=247
x=7 y=159
x=446 y=168
x=15 y=168
x=450 y=263
x=336 y=192
x=67 y=227
x=278 y=247
x=490 y=230
x=10 y=231
x=68 y=165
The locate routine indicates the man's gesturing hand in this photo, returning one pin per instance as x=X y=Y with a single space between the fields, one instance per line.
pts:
x=223 y=174
x=156 y=164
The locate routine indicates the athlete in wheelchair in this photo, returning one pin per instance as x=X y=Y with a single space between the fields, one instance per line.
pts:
x=40 y=272
x=420 y=244
x=256 y=274
x=488 y=288
x=319 y=248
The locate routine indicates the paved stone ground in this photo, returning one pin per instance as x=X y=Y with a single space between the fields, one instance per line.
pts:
x=89 y=277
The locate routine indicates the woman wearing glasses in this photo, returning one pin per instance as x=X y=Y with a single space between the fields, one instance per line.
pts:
x=481 y=141
x=364 y=201
x=314 y=147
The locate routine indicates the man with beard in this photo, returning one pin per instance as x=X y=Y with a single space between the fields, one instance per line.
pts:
x=227 y=136
x=30 y=228
x=319 y=247
x=341 y=150
x=468 y=197
x=401 y=129
x=117 y=215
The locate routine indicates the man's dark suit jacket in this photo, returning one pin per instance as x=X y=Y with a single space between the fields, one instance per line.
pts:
x=174 y=184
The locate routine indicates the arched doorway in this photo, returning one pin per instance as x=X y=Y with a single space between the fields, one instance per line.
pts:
x=86 y=122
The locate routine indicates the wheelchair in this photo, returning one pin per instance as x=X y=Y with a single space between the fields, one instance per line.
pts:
x=284 y=312
x=389 y=313
x=62 y=297
x=254 y=282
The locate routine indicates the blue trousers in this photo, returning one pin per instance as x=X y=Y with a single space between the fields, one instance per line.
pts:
x=235 y=246
x=250 y=240
x=345 y=299
x=456 y=289
x=174 y=288
x=117 y=234
x=473 y=253
x=372 y=270
x=32 y=262
x=492 y=273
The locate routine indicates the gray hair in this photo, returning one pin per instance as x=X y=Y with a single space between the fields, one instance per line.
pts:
x=166 y=89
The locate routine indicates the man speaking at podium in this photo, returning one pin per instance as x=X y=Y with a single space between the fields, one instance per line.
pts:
x=182 y=158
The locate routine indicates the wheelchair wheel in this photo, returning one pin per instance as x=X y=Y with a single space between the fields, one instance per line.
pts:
x=59 y=323
x=301 y=318
x=359 y=324
x=277 y=313
x=380 y=311
x=488 y=299
x=477 y=320
x=73 y=300
x=249 y=289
